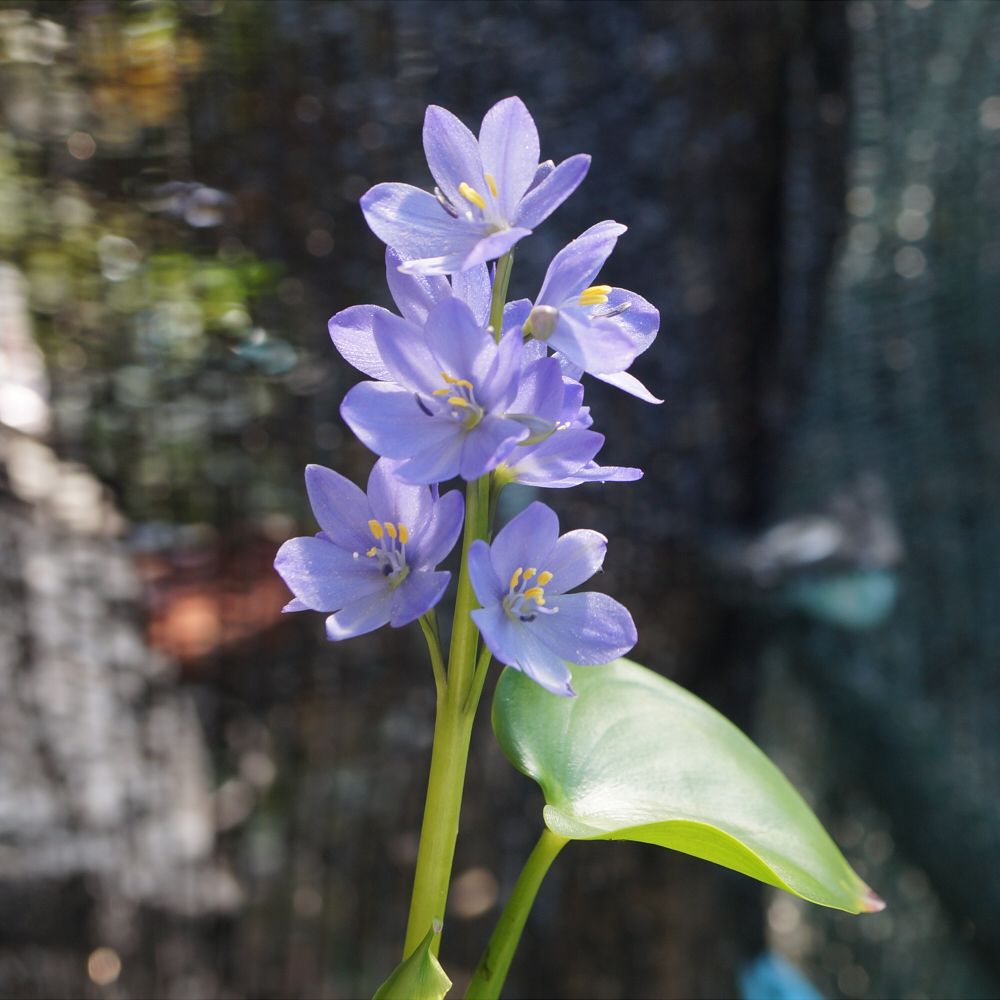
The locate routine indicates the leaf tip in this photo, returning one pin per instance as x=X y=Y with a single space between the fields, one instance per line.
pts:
x=872 y=902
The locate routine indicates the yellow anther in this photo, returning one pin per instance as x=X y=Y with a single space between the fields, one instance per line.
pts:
x=371 y=551
x=442 y=392
x=492 y=183
x=543 y=578
x=376 y=529
x=530 y=572
x=458 y=401
x=596 y=295
x=404 y=532
x=516 y=577
x=462 y=383
x=390 y=530
x=537 y=593
x=471 y=194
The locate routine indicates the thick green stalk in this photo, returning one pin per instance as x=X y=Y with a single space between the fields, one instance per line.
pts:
x=452 y=731
x=458 y=699
x=488 y=979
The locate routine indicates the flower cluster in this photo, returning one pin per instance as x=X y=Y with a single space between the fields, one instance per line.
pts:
x=464 y=384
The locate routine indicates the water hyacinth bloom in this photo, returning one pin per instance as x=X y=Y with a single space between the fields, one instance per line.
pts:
x=374 y=561
x=446 y=410
x=597 y=329
x=491 y=192
x=352 y=329
x=564 y=457
x=528 y=619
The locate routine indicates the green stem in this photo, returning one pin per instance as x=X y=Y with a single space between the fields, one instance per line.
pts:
x=479 y=677
x=488 y=979
x=504 y=266
x=499 y=479
x=452 y=731
x=464 y=634
x=439 y=831
x=428 y=624
x=457 y=701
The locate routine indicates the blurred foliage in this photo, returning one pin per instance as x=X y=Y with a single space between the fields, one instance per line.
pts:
x=145 y=300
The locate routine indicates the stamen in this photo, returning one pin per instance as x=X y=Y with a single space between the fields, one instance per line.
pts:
x=458 y=401
x=596 y=295
x=492 y=183
x=442 y=392
x=371 y=551
x=404 y=533
x=613 y=311
x=517 y=603
x=471 y=194
x=444 y=203
x=451 y=380
x=390 y=530
x=376 y=529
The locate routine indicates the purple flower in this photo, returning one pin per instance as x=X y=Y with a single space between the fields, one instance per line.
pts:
x=564 y=457
x=445 y=411
x=594 y=328
x=527 y=619
x=352 y=330
x=491 y=192
x=374 y=560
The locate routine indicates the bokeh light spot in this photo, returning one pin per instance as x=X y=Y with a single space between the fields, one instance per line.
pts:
x=81 y=145
x=104 y=966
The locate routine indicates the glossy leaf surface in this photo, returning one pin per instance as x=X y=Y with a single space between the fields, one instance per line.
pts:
x=636 y=757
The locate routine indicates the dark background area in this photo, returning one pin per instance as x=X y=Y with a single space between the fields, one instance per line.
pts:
x=199 y=798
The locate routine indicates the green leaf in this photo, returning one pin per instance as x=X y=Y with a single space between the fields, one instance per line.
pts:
x=419 y=977
x=636 y=757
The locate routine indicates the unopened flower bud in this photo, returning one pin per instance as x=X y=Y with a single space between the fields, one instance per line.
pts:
x=541 y=322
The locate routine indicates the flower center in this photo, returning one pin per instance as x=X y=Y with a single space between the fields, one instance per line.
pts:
x=391 y=550
x=525 y=598
x=489 y=209
x=461 y=398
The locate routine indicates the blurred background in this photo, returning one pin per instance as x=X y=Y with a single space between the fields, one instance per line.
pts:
x=201 y=799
